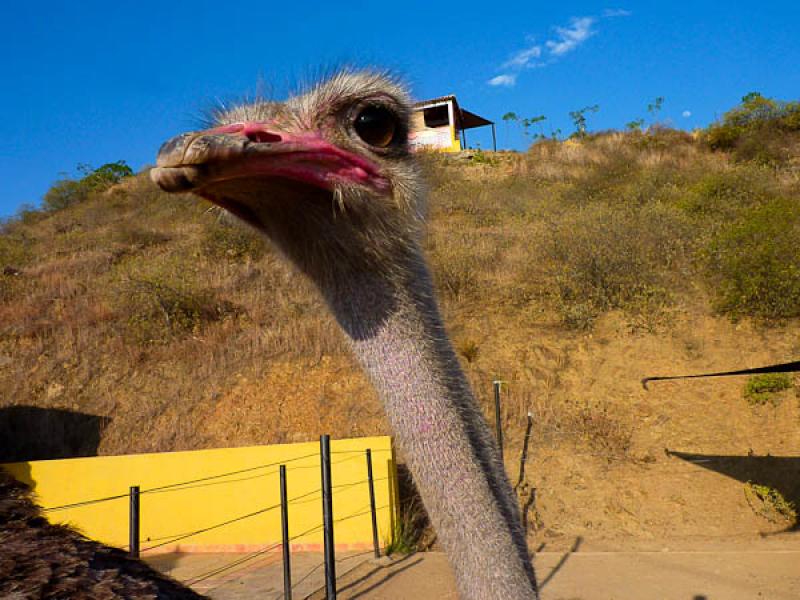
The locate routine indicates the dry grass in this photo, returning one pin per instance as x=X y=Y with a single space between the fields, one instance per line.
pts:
x=145 y=308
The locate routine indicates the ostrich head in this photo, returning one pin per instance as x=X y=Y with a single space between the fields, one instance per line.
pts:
x=326 y=175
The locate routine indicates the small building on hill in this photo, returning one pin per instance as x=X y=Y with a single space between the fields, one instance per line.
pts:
x=440 y=124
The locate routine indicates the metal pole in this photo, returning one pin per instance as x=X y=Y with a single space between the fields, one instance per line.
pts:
x=287 y=561
x=133 y=522
x=494 y=138
x=327 y=517
x=497 y=424
x=372 y=505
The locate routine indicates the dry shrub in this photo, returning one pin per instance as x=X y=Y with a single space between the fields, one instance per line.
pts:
x=161 y=300
x=598 y=161
x=232 y=241
x=594 y=424
x=461 y=261
x=138 y=237
x=469 y=350
x=604 y=258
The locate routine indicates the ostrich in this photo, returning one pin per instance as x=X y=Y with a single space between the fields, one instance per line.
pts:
x=41 y=560
x=327 y=176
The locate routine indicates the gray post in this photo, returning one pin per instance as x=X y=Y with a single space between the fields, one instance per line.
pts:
x=287 y=564
x=498 y=425
x=372 y=505
x=327 y=517
x=133 y=522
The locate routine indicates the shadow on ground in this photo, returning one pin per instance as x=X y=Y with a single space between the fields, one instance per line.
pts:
x=380 y=580
x=781 y=473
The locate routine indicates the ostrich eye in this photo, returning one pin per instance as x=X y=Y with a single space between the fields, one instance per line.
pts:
x=376 y=125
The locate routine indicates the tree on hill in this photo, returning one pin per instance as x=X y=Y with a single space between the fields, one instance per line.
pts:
x=68 y=191
x=756 y=115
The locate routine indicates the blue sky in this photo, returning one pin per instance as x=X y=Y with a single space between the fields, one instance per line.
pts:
x=94 y=82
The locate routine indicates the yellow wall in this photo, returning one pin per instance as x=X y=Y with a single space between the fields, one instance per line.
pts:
x=250 y=482
x=418 y=125
x=456 y=145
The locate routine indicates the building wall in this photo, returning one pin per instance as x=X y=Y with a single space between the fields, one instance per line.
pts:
x=249 y=483
x=442 y=139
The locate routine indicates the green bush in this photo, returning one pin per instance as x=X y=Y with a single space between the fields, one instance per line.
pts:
x=769 y=503
x=724 y=194
x=756 y=129
x=755 y=263
x=761 y=389
x=15 y=249
x=479 y=157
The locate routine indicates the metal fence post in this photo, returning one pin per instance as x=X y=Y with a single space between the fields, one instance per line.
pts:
x=372 y=505
x=287 y=564
x=327 y=517
x=133 y=522
x=497 y=424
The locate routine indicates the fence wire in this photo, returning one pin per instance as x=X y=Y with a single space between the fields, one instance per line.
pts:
x=189 y=484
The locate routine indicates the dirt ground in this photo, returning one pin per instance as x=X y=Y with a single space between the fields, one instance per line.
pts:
x=744 y=569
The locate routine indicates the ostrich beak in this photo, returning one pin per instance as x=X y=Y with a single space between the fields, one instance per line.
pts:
x=197 y=160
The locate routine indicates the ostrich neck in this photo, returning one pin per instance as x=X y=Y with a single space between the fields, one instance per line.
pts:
x=396 y=332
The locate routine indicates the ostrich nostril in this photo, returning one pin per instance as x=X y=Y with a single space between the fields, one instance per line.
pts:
x=260 y=136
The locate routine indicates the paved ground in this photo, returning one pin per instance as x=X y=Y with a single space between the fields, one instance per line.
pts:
x=756 y=572
x=246 y=576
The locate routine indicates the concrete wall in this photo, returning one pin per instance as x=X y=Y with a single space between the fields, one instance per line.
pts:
x=216 y=486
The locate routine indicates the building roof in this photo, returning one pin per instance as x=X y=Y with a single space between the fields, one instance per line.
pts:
x=470 y=120
x=465 y=118
x=439 y=100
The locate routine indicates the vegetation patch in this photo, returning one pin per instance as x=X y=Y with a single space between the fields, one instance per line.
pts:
x=763 y=389
x=760 y=129
x=68 y=191
x=469 y=349
x=231 y=241
x=723 y=194
x=405 y=531
x=755 y=262
x=607 y=258
x=770 y=504
x=160 y=300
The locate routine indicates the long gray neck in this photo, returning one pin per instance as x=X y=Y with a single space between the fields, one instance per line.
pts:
x=398 y=336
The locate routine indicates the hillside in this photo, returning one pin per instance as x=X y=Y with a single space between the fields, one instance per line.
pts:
x=570 y=272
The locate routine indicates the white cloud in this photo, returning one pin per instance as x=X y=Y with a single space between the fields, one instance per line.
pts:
x=565 y=40
x=610 y=13
x=686 y=114
x=569 y=38
x=522 y=58
x=507 y=80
